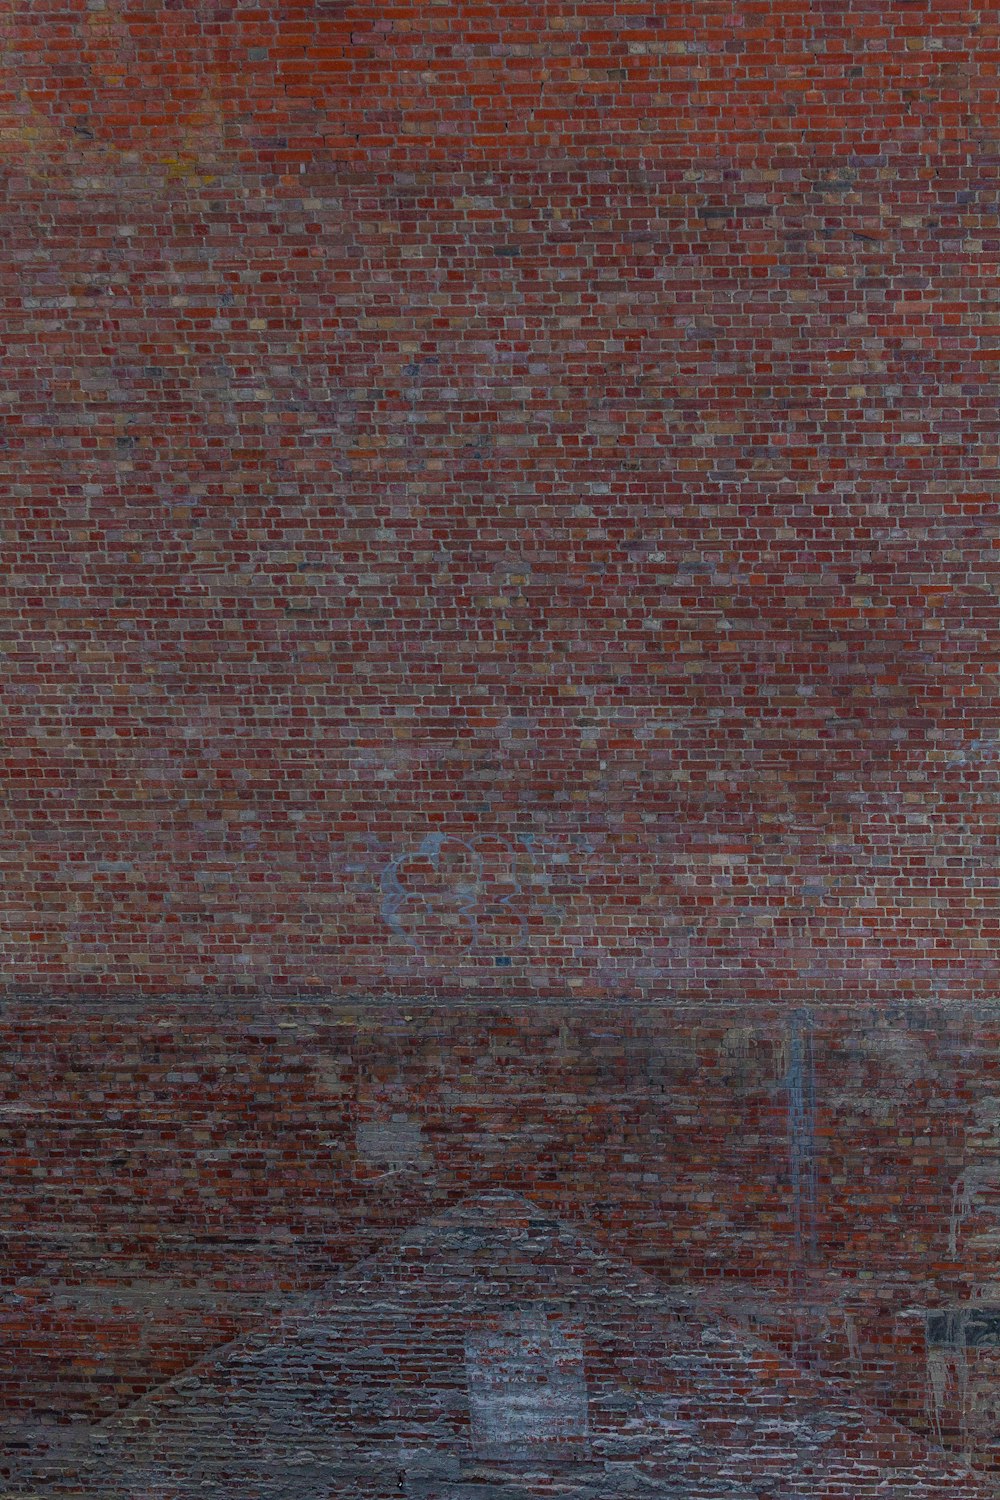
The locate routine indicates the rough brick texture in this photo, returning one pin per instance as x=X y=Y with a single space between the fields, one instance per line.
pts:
x=568 y=432
x=500 y=750
x=183 y=1179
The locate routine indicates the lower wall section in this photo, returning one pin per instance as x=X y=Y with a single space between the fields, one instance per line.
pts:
x=456 y=1251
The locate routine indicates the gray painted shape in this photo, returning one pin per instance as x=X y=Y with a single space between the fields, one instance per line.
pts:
x=527 y=1390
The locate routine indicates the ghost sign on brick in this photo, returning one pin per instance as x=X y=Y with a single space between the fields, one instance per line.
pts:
x=527 y=1391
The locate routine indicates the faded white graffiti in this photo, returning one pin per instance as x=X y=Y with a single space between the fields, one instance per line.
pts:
x=462 y=893
x=977 y=1190
x=953 y=1387
x=448 y=889
x=942 y=1368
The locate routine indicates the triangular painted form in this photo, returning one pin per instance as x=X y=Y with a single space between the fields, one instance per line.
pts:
x=360 y=1389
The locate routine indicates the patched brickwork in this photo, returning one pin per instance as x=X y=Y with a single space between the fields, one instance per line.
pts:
x=364 y=1390
x=499 y=636
x=180 y=1180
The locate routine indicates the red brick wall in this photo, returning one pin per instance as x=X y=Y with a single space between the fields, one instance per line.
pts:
x=499 y=637
x=564 y=424
x=176 y=1176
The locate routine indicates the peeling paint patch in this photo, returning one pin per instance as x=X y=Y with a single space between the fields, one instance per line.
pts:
x=527 y=1391
x=394 y=1142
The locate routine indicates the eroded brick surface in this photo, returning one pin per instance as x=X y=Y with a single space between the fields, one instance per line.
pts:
x=369 y=1389
x=179 y=1178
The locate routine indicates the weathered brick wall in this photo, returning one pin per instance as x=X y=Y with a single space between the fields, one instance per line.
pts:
x=182 y=1177
x=499 y=638
x=567 y=431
